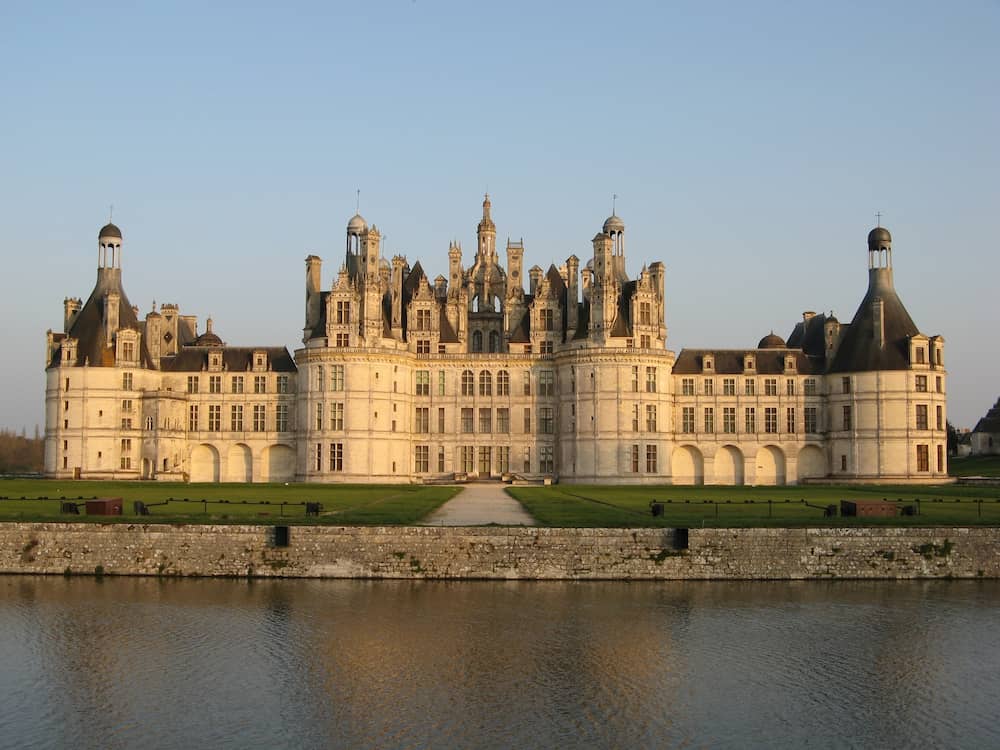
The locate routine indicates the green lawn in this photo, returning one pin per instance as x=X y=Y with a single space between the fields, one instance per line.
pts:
x=40 y=500
x=617 y=506
x=974 y=466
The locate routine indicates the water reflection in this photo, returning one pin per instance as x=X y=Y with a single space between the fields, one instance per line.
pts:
x=197 y=663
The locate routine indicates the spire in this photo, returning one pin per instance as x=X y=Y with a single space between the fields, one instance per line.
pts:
x=486 y=209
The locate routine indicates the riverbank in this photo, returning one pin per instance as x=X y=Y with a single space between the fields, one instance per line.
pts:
x=505 y=553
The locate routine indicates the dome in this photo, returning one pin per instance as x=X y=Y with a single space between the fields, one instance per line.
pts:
x=109 y=230
x=208 y=339
x=879 y=237
x=357 y=224
x=614 y=224
x=771 y=341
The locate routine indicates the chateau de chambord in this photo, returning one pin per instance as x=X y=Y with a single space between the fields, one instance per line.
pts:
x=563 y=375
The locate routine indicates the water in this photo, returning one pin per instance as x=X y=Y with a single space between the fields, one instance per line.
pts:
x=130 y=663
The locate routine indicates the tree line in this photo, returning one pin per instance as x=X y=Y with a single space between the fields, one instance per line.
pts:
x=19 y=453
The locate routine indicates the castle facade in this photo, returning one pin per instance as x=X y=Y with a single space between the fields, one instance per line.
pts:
x=403 y=379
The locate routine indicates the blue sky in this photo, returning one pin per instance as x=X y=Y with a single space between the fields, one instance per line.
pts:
x=750 y=145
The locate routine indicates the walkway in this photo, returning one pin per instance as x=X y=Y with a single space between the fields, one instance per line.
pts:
x=478 y=505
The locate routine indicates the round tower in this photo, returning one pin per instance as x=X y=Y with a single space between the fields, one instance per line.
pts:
x=109 y=247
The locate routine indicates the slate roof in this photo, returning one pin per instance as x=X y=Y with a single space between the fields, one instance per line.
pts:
x=234 y=359
x=991 y=422
x=730 y=361
x=808 y=336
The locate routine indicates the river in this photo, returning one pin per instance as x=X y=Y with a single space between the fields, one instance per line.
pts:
x=148 y=663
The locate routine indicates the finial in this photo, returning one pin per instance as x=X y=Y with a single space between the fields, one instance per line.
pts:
x=111 y=213
x=614 y=200
x=878 y=218
x=357 y=203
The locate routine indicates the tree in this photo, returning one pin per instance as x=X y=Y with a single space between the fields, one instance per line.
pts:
x=952 y=439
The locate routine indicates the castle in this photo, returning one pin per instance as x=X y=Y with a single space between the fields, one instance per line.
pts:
x=403 y=379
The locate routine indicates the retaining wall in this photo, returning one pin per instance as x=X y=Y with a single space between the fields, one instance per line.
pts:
x=498 y=552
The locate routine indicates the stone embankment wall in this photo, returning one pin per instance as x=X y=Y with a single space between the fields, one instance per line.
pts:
x=499 y=553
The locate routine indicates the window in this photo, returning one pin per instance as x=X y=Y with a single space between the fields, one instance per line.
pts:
x=421 y=458
x=343 y=312
x=687 y=419
x=467 y=420
x=709 y=419
x=126 y=381
x=650 y=459
x=215 y=384
x=790 y=419
x=809 y=386
x=635 y=379
x=237 y=384
x=258 y=418
x=236 y=418
x=546 y=420
x=634 y=459
x=126 y=423
x=687 y=386
x=319 y=416
x=547 y=320
x=749 y=386
x=645 y=341
x=128 y=350
x=709 y=386
x=939 y=413
x=635 y=417
x=337 y=416
x=770 y=386
x=126 y=406
x=527 y=384
x=650 y=380
x=546 y=464
x=260 y=384
x=193 y=418
x=921 y=416
x=126 y=453
x=336 y=456
x=503 y=383
x=809 y=415
x=503 y=459
x=503 y=421
x=441 y=419
x=546 y=383
x=423 y=320
x=192 y=386
x=847 y=417
x=468 y=458
x=468 y=383
x=770 y=419
x=650 y=418
x=441 y=382
x=645 y=313
x=940 y=458
x=729 y=386
x=845 y=384
x=545 y=347
x=214 y=417
x=750 y=419
x=937 y=384
x=921 y=359
x=441 y=458
x=486 y=421
x=790 y=387
x=281 y=418
x=920 y=384
x=477 y=341
x=336 y=377
x=843 y=462
x=923 y=458
x=729 y=419
x=342 y=340
x=282 y=384
x=485 y=383
x=527 y=421
x=423 y=383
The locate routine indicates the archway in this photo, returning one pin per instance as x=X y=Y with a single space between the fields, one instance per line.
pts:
x=687 y=465
x=811 y=463
x=239 y=467
x=279 y=463
x=204 y=464
x=770 y=465
x=729 y=466
x=147 y=469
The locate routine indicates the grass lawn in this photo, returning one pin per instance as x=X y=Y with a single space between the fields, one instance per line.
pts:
x=389 y=505
x=974 y=466
x=618 y=506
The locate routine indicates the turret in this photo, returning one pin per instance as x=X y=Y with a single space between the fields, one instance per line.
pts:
x=314 y=267
x=71 y=308
x=572 y=295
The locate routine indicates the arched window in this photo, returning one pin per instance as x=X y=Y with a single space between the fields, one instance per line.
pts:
x=477 y=341
x=468 y=383
x=503 y=383
x=485 y=383
x=494 y=341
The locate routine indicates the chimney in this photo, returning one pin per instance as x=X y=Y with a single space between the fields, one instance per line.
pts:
x=112 y=302
x=71 y=308
x=535 y=274
x=572 y=295
x=314 y=266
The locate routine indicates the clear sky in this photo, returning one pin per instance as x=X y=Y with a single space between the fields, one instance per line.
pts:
x=750 y=144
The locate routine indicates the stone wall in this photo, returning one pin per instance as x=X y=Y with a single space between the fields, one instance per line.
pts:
x=498 y=552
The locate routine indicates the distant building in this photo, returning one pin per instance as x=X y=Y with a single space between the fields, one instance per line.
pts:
x=402 y=379
x=985 y=438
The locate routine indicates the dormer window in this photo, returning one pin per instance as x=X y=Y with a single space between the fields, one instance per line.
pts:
x=708 y=364
x=748 y=363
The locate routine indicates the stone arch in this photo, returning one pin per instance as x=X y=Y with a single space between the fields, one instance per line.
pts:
x=687 y=466
x=811 y=463
x=278 y=462
x=239 y=464
x=147 y=468
x=729 y=465
x=770 y=465
x=205 y=463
